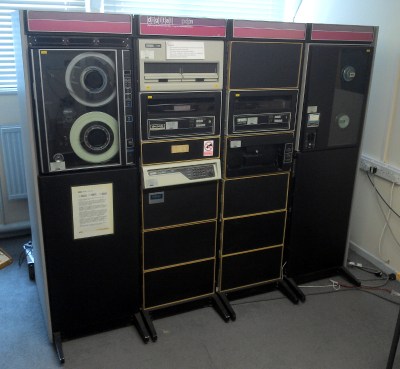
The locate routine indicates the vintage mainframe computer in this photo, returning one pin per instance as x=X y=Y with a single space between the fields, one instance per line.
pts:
x=337 y=69
x=264 y=76
x=181 y=74
x=77 y=74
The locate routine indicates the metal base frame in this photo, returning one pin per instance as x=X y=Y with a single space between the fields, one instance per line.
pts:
x=58 y=346
x=395 y=342
x=286 y=289
x=295 y=288
x=345 y=273
x=219 y=302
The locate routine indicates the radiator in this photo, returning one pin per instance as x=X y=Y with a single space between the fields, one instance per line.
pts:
x=13 y=162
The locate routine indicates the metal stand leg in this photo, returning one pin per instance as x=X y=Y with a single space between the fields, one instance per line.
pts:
x=293 y=286
x=219 y=306
x=344 y=272
x=149 y=324
x=141 y=327
x=395 y=342
x=287 y=291
x=58 y=346
x=227 y=305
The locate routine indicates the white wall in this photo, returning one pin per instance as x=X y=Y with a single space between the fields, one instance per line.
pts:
x=382 y=129
x=9 y=109
x=11 y=211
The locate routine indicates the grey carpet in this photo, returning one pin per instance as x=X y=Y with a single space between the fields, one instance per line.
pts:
x=349 y=329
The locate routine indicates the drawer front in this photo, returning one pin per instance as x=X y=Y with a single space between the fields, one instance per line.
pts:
x=244 y=270
x=180 y=204
x=255 y=195
x=179 y=245
x=243 y=234
x=177 y=284
x=180 y=150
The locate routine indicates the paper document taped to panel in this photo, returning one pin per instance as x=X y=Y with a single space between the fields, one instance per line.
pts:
x=92 y=209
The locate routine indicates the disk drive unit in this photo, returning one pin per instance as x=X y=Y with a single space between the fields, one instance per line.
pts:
x=338 y=64
x=82 y=75
x=261 y=111
x=264 y=76
x=193 y=63
x=172 y=115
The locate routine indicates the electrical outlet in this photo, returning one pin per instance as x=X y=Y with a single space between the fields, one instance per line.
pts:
x=380 y=169
x=363 y=165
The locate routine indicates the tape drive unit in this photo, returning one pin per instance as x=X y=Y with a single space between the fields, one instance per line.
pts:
x=82 y=88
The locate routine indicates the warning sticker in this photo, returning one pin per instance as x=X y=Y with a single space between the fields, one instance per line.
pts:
x=208 y=148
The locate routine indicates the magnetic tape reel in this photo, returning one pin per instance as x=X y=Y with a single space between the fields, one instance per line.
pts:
x=94 y=137
x=90 y=79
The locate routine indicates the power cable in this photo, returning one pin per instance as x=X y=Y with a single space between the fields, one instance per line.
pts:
x=380 y=195
x=297 y=10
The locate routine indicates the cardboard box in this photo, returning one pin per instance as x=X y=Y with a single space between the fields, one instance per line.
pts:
x=5 y=259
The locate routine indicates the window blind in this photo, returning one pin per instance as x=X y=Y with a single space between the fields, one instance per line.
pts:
x=227 y=9
x=8 y=80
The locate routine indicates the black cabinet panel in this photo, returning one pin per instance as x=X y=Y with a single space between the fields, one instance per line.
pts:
x=180 y=204
x=93 y=282
x=253 y=232
x=255 y=195
x=321 y=210
x=335 y=96
x=178 y=283
x=250 y=268
x=178 y=245
x=264 y=65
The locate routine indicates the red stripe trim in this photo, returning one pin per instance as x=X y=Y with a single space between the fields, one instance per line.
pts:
x=51 y=25
x=342 y=36
x=204 y=31
x=90 y=17
x=287 y=34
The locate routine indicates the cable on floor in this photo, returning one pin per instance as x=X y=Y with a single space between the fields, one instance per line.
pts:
x=337 y=287
x=320 y=293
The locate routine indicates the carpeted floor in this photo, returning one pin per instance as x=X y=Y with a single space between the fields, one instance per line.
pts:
x=347 y=329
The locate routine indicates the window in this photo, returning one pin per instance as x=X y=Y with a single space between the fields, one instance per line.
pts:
x=273 y=10
x=8 y=80
x=228 y=9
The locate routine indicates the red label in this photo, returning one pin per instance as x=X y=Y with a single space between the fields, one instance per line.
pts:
x=339 y=32
x=208 y=148
x=39 y=21
x=269 y=30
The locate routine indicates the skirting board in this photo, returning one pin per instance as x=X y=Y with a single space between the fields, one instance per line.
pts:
x=381 y=265
x=15 y=229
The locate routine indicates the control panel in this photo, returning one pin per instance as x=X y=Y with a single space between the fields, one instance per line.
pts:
x=181 y=173
x=128 y=106
x=181 y=126
x=267 y=121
